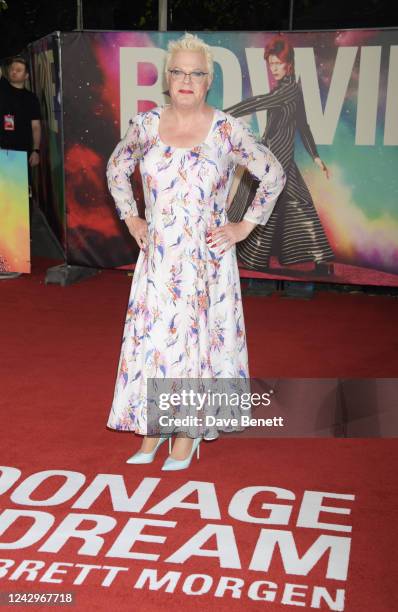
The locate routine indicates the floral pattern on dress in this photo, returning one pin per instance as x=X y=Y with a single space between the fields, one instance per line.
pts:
x=184 y=316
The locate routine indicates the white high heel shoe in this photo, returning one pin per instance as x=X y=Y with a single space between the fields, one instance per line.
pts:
x=141 y=457
x=172 y=464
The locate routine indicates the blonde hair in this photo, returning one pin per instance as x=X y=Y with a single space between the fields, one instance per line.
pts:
x=190 y=42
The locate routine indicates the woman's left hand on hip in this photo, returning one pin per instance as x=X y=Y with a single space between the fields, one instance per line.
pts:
x=229 y=234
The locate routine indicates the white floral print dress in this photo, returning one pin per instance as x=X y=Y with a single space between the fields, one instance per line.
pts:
x=184 y=316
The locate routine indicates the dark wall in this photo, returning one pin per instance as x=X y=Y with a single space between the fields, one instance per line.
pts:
x=27 y=20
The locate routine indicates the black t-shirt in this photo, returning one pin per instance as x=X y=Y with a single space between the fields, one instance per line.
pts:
x=18 y=107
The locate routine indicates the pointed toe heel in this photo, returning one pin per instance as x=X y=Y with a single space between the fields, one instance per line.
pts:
x=181 y=464
x=324 y=268
x=140 y=457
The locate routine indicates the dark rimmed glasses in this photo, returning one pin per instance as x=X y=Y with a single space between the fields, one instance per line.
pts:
x=196 y=76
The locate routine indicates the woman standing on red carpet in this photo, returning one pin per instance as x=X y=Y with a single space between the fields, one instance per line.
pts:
x=184 y=318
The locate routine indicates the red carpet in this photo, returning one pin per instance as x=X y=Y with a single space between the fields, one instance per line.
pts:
x=59 y=352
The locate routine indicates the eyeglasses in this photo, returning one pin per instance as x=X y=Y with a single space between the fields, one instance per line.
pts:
x=196 y=76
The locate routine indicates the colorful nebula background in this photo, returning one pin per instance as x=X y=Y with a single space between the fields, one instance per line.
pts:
x=14 y=212
x=357 y=205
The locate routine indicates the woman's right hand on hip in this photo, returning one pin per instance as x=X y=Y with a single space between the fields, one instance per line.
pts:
x=138 y=228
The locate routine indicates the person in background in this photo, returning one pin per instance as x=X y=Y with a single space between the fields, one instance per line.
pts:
x=20 y=116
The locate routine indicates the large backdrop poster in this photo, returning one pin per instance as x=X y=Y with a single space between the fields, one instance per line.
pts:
x=14 y=212
x=349 y=85
x=46 y=81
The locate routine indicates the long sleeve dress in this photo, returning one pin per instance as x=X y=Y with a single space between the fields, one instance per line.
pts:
x=294 y=232
x=184 y=317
